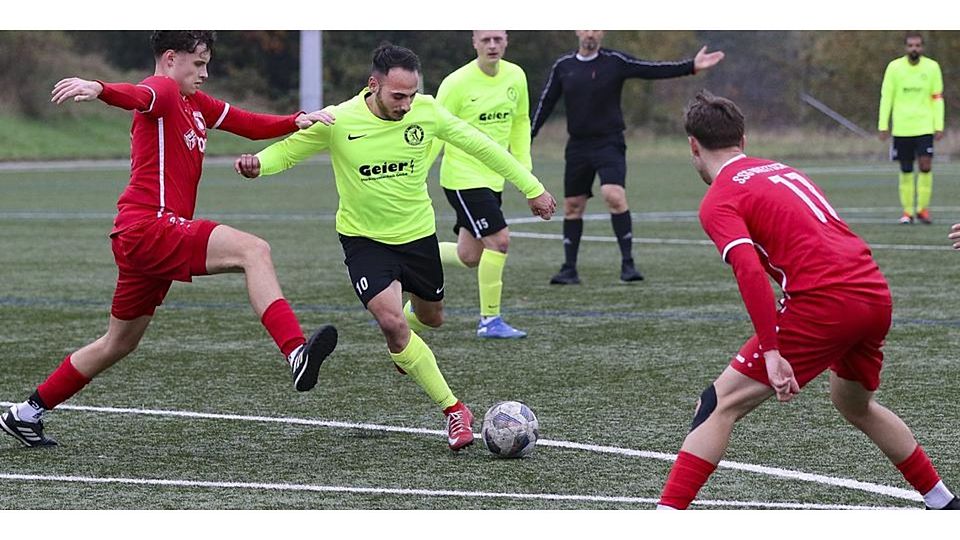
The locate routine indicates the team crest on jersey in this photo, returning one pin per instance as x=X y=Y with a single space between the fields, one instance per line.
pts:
x=413 y=135
x=512 y=93
x=190 y=138
x=198 y=120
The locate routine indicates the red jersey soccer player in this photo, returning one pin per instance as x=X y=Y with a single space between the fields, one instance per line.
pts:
x=155 y=238
x=767 y=218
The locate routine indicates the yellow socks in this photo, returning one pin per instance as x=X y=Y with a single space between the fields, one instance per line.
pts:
x=924 y=190
x=448 y=255
x=907 y=192
x=490 y=281
x=420 y=364
x=412 y=321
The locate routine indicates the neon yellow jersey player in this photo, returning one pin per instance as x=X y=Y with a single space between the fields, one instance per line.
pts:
x=913 y=91
x=379 y=145
x=491 y=94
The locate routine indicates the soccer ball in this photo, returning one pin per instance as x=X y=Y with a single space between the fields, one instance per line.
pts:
x=510 y=429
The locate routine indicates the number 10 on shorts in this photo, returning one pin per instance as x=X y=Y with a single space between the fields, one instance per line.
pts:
x=361 y=285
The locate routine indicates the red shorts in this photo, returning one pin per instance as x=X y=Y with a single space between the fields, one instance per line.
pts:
x=843 y=333
x=151 y=255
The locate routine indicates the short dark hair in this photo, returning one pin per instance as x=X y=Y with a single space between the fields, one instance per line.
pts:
x=715 y=122
x=388 y=56
x=913 y=34
x=181 y=40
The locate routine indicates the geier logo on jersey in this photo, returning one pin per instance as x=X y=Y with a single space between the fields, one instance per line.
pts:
x=385 y=170
x=494 y=116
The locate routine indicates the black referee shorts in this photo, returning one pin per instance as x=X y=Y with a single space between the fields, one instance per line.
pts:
x=588 y=157
x=373 y=266
x=478 y=210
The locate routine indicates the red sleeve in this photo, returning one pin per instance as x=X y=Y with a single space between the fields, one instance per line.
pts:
x=757 y=295
x=722 y=221
x=221 y=115
x=152 y=97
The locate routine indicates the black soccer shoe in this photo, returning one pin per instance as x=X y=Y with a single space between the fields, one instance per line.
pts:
x=28 y=433
x=952 y=505
x=566 y=276
x=306 y=361
x=628 y=272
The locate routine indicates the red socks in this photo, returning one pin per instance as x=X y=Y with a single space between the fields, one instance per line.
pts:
x=283 y=326
x=688 y=475
x=919 y=471
x=61 y=385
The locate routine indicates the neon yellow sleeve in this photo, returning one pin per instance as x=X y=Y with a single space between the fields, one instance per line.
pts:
x=284 y=154
x=472 y=141
x=938 y=105
x=886 y=98
x=452 y=104
x=520 y=129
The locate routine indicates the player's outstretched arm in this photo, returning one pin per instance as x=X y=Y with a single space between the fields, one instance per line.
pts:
x=247 y=165
x=543 y=205
x=705 y=60
x=77 y=89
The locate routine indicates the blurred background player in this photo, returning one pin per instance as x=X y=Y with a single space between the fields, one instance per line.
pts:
x=913 y=91
x=491 y=94
x=591 y=82
x=380 y=146
x=769 y=218
x=155 y=238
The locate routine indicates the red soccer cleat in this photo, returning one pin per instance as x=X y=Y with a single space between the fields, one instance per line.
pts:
x=923 y=216
x=459 y=430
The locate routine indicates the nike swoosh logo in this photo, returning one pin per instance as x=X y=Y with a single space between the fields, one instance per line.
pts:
x=355 y=137
x=440 y=290
x=474 y=99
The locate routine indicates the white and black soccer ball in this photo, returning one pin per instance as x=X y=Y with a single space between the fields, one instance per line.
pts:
x=510 y=429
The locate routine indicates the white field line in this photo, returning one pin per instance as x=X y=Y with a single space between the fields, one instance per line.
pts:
x=685 y=242
x=419 y=492
x=869 y=487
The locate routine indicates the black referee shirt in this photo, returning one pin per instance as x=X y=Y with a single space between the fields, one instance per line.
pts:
x=591 y=90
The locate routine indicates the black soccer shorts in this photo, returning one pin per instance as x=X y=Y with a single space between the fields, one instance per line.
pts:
x=588 y=157
x=478 y=210
x=373 y=266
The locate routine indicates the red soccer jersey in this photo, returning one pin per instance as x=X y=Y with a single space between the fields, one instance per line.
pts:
x=168 y=141
x=798 y=237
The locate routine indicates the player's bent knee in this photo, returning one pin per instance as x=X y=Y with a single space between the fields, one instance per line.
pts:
x=708 y=404
x=431 y=318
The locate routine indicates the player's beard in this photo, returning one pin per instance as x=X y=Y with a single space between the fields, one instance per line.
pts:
x=913 y=55
x=384 y=110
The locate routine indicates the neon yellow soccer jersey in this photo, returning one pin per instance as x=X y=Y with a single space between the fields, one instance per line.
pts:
x=499 y=106
x=915 y=95
x=381 y=165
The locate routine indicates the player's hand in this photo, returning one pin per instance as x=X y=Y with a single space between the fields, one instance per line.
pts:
x=884 y=135
x=937 y=135
x=248 y=166
x=781 y=376
x=955 y=235
x=543 y=205
x=306 y=120
x=704 y=60
x=76 y=88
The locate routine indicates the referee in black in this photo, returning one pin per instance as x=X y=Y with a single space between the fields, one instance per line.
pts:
x=591 y=81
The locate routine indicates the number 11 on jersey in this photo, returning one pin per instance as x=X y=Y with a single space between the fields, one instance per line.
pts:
x=817 y=211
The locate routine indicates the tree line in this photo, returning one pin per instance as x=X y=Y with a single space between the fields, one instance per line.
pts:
x=764 y=71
